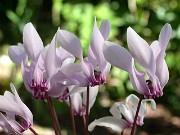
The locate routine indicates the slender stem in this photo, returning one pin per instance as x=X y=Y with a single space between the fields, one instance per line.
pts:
x=53 y=115
x=33 y=131
x=87 y=111
x=122 y=132
x=84 y=122
x=56 y=118
x=72 y=117
x=135 y=118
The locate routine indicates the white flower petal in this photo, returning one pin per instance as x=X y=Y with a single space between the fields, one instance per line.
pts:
x=96 y=45
x=105 y=29
x=138 y=81
x=141 y=51
x=76 y=101
x=10 y=106
x=162 y=71
x=165 y=36
x=117 y=125
x=115 y=110
x=50 y=59
x=155 y=48
x=70 y=43
x=24 y=109
x=32 y=42
x=127 y=112
x=117 y=56
x=17 y=54
x=5 y=125
x=132 y=100
x=93 y=91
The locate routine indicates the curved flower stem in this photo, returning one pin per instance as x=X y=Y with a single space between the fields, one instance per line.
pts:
x=135 y=118
x=72 y=117
x=87 y=111
x=53 y=116
x=33 y=131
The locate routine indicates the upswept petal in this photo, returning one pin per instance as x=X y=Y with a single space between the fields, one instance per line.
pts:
x=165 y=36
x=71 y=68
x=153 y=103
x=127 y=112
x=44 y=51
x=105 y=29
x=17 y=54
x=88 y=68
x=25 y=110
x=117 y=125
x=155 y=48
x=14 y=106
x=76 y=101
x=50 y=59
x=27 y=75
x=143 y=109
x=93 y=94
x=141 y=51
x=162 y=71
x=32 y=42
x=115 y=110
x=91 y=57
x=106 y=69
x=56 y=90
x=71 y=74
x=118 y=56
x=93 y=91
x=132 y=100
x=10 y=105
x=62 y=53
x=70 y=43
x=138 y=81
x=68 y=60
x=76 y=89
x=96 y=45
x=9 y=95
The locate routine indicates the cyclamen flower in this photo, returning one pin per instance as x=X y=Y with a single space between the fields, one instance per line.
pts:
x=15 y=116
x=94 y=66
x=123 y=114
x=78 y=99
x=151 y=58
x=45 y=63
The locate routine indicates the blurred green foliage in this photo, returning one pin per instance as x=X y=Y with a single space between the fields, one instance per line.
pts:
x=146 y=17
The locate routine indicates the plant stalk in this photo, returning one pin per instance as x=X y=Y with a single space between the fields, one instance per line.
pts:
x=33 y=131
x=72 y=116
x=87 y=111
x=55 y=122
x=135 y=118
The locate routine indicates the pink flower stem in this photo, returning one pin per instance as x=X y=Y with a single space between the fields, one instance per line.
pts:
x=72 y=117
x=87 y=111
x=55 y=122
x=33 y=131
x=136 y=116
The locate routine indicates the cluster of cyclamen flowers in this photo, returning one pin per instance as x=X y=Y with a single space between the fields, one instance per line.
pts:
x=51 y=72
